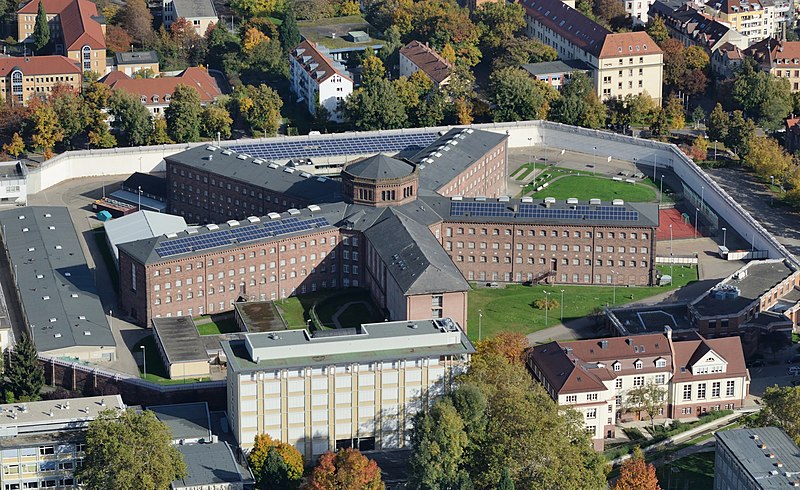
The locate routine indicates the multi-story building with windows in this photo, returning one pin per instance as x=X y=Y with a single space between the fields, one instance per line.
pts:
x=746 y=16
x=317 y=80
x=622 y=63
x=77 y=31
x=595 y=376
x=760 y=458
x=22 y=79
x=43 y=442
x=780 y=59
x=201 y=14
x=416 y=56
x=359 y=388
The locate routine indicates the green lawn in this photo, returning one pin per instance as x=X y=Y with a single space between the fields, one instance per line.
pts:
x=586 y=187
x=216 y=324
x=695 y=471
x=155 y=368
x=511 y=309
x=681 y=274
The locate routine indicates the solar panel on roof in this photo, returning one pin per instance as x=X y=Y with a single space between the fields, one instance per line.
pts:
x=467 y=208
x=338 y=146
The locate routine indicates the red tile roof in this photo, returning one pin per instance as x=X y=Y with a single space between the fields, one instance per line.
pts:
x=314 y=62
x=628 y=44
x=773 y=53
x=195 y=77
x=39 y=65
x=690 y=351
x=78 y=20
x=428 y=60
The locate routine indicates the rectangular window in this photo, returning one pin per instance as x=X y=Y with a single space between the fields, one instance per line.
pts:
x=638 y=381
x=572 y=399
x=133 y=277
x=687 y=392
x=715 y=389
x=701 y=390
x=729 y=387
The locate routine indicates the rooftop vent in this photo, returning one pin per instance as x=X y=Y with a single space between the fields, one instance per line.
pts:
x=572 y=200
x=314 y=208
x=527 y=199
x=288 y=170
x=57 y=335
x=45 y=298
x=258 y=161
x=24 y=230
x=227 y=152
x=595 y=202
x=212 y=227
x=52 y=320
x=274 y=216
x=253 y=219
x=241 y=157
x=293 y=212
x=48 y=215
x=31 y=249
x=39 y=276
x=232 y=222
x=503 y=199
x=457 y=198
x=617 y=202
x=87 y=333
x=273 y=165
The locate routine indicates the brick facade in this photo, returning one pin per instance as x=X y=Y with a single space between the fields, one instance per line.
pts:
x=485 y=177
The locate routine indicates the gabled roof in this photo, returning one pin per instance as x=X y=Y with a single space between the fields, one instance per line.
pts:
x=195 y=8
x=774 y=53
x=628 y=44
x=414 y=257
x=80 y=21
x=139 y=225
x=40 y=65
x=194 y=77
x=562 y=373
x=568 y=23
x=379 y=167
x=689 y=352
x=428 y=60
x=315 y=63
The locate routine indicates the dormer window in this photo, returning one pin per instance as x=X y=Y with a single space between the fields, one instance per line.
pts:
x=638 y=364
x=144 y=99
x=617 y=366
x=660 y=363
x=155 y=99
x=167 y=98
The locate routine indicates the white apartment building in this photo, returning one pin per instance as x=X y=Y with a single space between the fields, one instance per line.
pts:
x=42 y=443
x=317 y=80
x=331 y=389
x=595 y=376
x=199 y=13
x=622 y=63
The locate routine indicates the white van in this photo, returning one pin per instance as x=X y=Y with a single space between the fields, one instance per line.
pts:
x=794 y=370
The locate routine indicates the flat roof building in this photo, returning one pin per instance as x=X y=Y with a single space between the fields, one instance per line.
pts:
x=56 y=288
x=13 y=182
x=182 y=351
x=209 y=467
x=762 y=458
x=352 y=387
x=188 y=422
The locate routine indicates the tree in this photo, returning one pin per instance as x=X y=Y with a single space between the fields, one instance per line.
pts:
x=118 y=39
x=519 y=97
x=24 y=374
x=41 y=31
x=674 y=61
x=698 y=115
x=637 y=474
x=438 y=443
x=499 y=22
x=349 y=7
x=252 y=38
x=659 y=126
x=699 y=149
x=657 y=29
x=444 y=22
x=95 y=102
x=506 y=483
x=259 y=456
x=131 y=117
x=642 y=108
x=372 y=70
x=14 y=147
x=289 y=32
x=183 y=114
x=260 y=107
x=257 y=8
x=346 y=468
x=767 y=157
x=129 y=450
x=674 y=113
x=274 y=473
x=71 y=112
x=138 y=21
x=696 y=58
x=648 y=398
x=611 y=13
x=45 y=129
x=740 y=132
x=760 y=95
x=376 y=107
x=511 y=346
x=781 y=408
x=521 y=50
x=159 y=136
x=578 y=104
x=718 y=122
x=216 y=121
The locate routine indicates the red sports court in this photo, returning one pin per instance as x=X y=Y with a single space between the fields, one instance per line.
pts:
x=681 y=228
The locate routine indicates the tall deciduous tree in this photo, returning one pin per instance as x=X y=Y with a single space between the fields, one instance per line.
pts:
x=129 y=450
x=138 y=21
x=578 y=104
x=376 y=107
x=131 y=117
x=14 y=147
x=648 y=398
x=45 y=129
x=637 y=474
x=439 y=443
x=24 y=374
x=718 y=122
x=519 y=97
x=71 y=112
x=760 y=95
x=41 y=31
x=259 y=457
x=506 y=483
x=510 y=345
x=260 y=107
x=781 y=408
x=372 y=70
x=499 y=22
x=95 y=98
x=674 y=113
x=346 y=468
x=216 y=122
x=674 y=61
x=183 y=114
x=768 y=158
x=740 y=132
x=657 y=29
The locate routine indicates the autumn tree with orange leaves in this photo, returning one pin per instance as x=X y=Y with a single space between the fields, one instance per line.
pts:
x=637 y=474
x=510 y=345
x=347 y=468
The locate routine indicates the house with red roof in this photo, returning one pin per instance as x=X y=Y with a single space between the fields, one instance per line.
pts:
x=595 y=376
x=416 y=56
x=317 y=80
x=157 y=92
x=24 y=78
x=77 y=30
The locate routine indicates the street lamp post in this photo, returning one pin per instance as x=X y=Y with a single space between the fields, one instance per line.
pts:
x=144 y=362
x=546 y=305
x=594 y=159
x=140 y=198
x=724 y=235
x=562 y=305
x=661 y=189
x=614 y=288
x=480 y=321
x=696 y=213
x=655 y=165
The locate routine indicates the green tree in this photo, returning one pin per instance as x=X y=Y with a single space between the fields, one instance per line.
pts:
x=129 y=450
x=768 y=158
x=183 y=114
x=521 y=50
x=41 y=31
x=71 y=112
x=696 y=58
x=216 y=120
x=14 y=147
x=642 y=108
x=674 y=113
x=648 y=398
x=159 y=136
x=260 y=107
x=95 y=102
x=376 y=107
x=519 y=97
x=760 y=95
x=659 y=126
x=674 y=61
x=433 y=110
x=657 y=30
x=372 y=70
x=274 y=473
x=24 y=374
x=506 y=483
x=346 y=468
x=259 y=455
x=740 y=132
x=499 y=22
x=44 y=129
x=698 y=115
x=718 y=123
x=222 y=46
x=578 y=104
x=289 y=32
x=438 y=443
x=781 y=408
x=131 y=117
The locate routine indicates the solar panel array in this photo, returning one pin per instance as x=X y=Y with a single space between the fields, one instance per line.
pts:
x=355 y=145
x=249 y=233
x=504 y=210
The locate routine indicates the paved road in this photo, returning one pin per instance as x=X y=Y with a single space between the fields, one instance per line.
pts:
x=78 y=195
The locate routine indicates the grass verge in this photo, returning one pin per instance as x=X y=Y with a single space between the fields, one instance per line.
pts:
x=585 y=187
x=155 y=368
x=216 y=324
x=296 y=310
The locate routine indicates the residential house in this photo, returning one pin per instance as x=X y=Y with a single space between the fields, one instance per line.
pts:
x=157 y=92
x=201 y=14
x=622 y=63
x=595 y=376
x=317 y=80
x=780 y=59
x=77 y=30
x=746 y=16
x=416 y=56
x=22 y=79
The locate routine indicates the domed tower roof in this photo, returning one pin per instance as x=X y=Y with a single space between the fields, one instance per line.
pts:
x=380 y=167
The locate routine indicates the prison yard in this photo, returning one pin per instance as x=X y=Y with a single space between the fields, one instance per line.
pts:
x=563 y=183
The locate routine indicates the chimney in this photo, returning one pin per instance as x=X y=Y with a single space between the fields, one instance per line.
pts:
x=668 y=332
